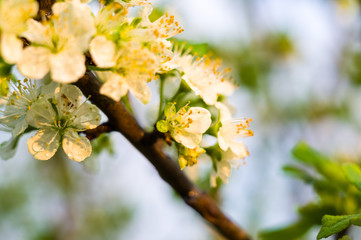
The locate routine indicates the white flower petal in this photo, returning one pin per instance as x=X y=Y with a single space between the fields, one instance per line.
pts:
x=213 y=178
x=34 y=62
x=14 y=13
x=239 y=149
x=224 y=170
x=8 y=148
x=11 y=48
x=102 y=51
x=189 y=140
x=37 y=33
x=115 y=86
x=200 y=120
x=87 y=116
x=230 y=135
x=139 y=89
x=44 y=144
x=68 y=97
x=75 y=19
x=225 y=113
x=67 y=66
x=48 y=89
x=41 y=114
x=222 y=142
x=20 y=127
x=76 y=148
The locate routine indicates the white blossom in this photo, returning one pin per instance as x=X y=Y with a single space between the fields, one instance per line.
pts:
x=13 y=15
x=232 y=131
x=58 y=44
x=18 y=103
x=204 y=76
x=61 y=127
x=187 y=125
x=15 y=109
x=224 y=167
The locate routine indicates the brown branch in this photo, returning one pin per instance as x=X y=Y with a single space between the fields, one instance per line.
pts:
x=151 y=147
x=96 y=132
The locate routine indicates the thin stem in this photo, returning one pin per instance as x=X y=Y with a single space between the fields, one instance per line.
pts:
x=127 y=104
x=161 y=98
x=99 y=69
x=96 y=132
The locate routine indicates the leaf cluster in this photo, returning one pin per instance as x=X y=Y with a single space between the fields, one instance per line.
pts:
x=338 y=189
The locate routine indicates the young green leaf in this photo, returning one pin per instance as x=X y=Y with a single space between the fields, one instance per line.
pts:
x=299 y=173
x=330 y=170
x=353 y=174
x=334 y=224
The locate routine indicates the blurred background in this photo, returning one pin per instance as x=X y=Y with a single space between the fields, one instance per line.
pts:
x=298 y=65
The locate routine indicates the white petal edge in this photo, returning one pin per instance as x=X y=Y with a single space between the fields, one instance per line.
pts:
x=201 y=120
x=189 y=140
x=44 y=144
x=11 y=48
x=77 y=148
x=115 y=87
x=67 y=66
x=102 y=51
x=34 y=62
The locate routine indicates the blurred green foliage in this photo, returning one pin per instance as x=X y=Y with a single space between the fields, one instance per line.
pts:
x=102 y=143
x=336 y=185
x=351 y=63
x=80 y=214
x=255 y=60
x=12 y=198
x=195 y=48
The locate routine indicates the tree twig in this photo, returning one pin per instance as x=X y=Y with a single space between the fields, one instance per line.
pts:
x=96 y=132
x=122 y=121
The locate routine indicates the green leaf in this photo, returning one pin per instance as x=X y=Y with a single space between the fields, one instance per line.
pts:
x=310 y=215
x=330 y=170
x=334 y=224
x=292 y=232
x=353 y=174
x=299 y=173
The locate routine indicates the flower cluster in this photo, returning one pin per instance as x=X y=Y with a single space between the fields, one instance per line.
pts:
x=57 y=45
x=126 y=47
x=133 y=48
